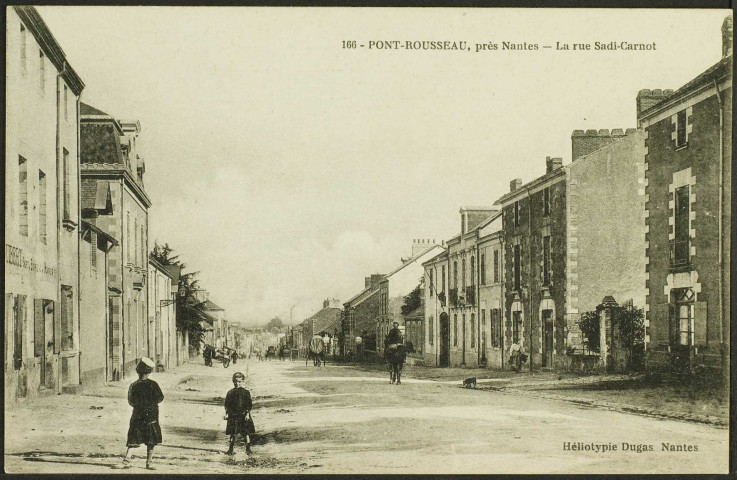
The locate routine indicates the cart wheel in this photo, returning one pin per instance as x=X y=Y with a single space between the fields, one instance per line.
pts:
x=226 y=363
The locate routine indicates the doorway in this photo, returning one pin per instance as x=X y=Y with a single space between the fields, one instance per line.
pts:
x=444 y=340
x=547 y=338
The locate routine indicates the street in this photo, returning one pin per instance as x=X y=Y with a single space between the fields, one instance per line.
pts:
x=345 y=419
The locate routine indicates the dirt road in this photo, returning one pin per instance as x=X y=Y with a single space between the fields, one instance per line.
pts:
x=338 y=419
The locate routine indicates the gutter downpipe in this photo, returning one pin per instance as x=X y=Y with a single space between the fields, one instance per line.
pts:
x=721 y=220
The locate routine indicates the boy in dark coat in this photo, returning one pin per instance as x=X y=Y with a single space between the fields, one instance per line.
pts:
x=144 y=395
x=237 y=407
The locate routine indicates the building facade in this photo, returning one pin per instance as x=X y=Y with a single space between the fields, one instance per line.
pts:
x=687 y=205
x=534 y=224
x=42 y=218
x=605 y=242
x=163 y=283
x=492 y=325
x=111 y=162
x=360 y=314
x=436 y=351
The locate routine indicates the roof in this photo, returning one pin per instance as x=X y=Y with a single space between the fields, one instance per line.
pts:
x=720 y=69
x=559 y=172
x=32 y=20
x=325 y=318
x=85 y=109
x=411 y=259
x=417 y=313
x=100 y=232
x=439 y=256
x=357 y=298
x=209 y=306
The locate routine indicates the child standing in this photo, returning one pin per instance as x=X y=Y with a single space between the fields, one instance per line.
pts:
x=144 y=395
x=237 y=407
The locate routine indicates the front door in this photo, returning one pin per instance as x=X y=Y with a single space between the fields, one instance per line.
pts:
x=547 y=338
x=444 y=340
x=47 y=371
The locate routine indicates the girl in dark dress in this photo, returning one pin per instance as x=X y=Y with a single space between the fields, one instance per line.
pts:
x=144 y=395
x=237 y=408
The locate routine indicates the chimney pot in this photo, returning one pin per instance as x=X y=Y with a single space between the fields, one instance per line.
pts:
x=515 y=184
x=617 y=131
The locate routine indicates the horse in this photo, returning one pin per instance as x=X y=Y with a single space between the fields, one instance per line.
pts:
x=395 y=355
x=316 y=351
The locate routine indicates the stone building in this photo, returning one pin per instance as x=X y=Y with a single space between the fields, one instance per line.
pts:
x=605 y=241
x=492 y=324
x=111 y=166
x=534 y=224
x=163 y=284
x=360 y=314
x=42 y=218
x=327 y=320
x=688 y=171
x=436 y=350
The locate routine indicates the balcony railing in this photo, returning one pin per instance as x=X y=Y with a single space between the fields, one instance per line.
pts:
x=680 y=253
x=453 y=296
x=471 y=295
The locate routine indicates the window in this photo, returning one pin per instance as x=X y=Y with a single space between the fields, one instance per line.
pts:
x=67 y=189
x=66 y=103
x=23 y=62
x=681 y=128
x=546 y=201
x=42 y=71
x=136 y=253
x=430 y=329
x=482 y=268
x=455 y=274
x=473 y=271
x=517 y=326
x=680 y=250
x=431 y=281
x=684 y=324
x=483 y=332
x=442 y=278
x=143 y=247
x=463 y=273
x=516 y=214
x=546 y=260
x=496 y=266
x=42 y=207
x=455 y=329
x=128 y=237
x=473 y=330
x=496 y=327
x=23 y=195
x=517 y=266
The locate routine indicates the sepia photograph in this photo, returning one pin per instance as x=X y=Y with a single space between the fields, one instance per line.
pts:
x=353 y=240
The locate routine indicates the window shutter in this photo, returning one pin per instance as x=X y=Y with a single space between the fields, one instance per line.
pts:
x=38 y=327
x=699 y=323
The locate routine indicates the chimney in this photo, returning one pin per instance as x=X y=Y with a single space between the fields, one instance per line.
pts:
x=583 y=143
x=515 y=184
x=374 y=280
x=553 y=163
x=419 y=245
x=325 y=303
x=648 y=98
x=727 y=37
x=367 y=281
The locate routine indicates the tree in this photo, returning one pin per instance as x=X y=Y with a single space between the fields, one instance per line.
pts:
x=187 y=319
x=275 y=324
x=589 y=325
x=412 y=301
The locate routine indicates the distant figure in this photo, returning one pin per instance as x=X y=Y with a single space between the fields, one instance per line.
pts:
x=235 y=357
x=238 y=406
x=144 y=395
x=208 y=356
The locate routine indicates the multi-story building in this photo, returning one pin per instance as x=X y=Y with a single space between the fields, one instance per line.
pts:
x=688 y=171
x=326 y=320
x=397 y=284
x=534 y=225
x=436 y=350
x=463 y=300
x=41 y=211
x=605 y=244
x=490 y=256
x=112 y=166
x=216 y=312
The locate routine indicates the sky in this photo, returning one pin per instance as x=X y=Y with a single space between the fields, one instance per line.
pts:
x=286 y=168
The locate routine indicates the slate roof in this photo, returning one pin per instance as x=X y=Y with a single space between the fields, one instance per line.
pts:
x=209 y=306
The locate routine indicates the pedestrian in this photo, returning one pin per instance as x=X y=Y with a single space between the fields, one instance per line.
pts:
x=208 y=356
x=144 y=395
x=516 y=353
x=238 y=411
x=235 y=357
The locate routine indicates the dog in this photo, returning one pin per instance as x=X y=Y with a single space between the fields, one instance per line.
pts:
x=470 y=382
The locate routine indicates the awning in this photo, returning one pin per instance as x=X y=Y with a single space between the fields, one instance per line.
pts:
x=102 y=194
